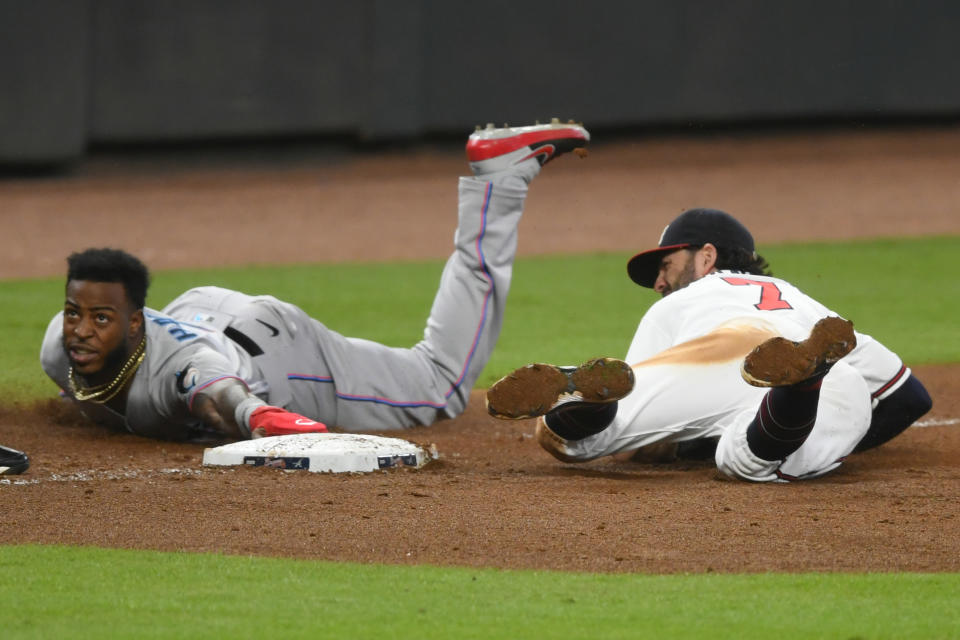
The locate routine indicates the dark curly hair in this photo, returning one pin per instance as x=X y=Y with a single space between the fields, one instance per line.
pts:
x=111 y=265
x=739 y=259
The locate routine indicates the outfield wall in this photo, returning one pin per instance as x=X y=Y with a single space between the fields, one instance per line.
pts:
x=78 y=73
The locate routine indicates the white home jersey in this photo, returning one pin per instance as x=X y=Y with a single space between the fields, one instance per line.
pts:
x=686 y=357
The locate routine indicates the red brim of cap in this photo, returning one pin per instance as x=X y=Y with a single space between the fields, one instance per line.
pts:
x=644 y=267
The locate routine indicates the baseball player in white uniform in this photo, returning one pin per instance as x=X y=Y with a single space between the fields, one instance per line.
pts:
x=247 y=366
x=783 y=385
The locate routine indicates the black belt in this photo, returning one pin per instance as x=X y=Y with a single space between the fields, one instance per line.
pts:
x=244 y=341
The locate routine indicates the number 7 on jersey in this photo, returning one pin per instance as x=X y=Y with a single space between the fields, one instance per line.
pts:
x=771 y=298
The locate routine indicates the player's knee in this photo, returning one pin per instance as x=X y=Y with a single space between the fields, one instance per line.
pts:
x=735 y=460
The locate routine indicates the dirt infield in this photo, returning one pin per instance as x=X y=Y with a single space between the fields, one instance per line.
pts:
x=493 y=498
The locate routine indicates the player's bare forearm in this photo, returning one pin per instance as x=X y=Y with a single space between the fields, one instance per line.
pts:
x=217 y=406
x=230 y=408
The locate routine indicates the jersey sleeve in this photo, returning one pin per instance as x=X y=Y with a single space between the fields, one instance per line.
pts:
x=194 y=368
x=161 y=398
x=52 y=358
x=652 y=336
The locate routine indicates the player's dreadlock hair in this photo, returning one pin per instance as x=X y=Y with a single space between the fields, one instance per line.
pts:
x=740 y=259
x=111 y=265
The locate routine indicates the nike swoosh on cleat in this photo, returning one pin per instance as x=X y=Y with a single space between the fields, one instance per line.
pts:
x=546 y=151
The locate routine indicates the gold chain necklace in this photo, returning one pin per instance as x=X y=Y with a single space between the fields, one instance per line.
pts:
x=106 y=392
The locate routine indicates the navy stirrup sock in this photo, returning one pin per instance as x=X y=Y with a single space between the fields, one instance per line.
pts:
x=784 y=420
x=579 y=420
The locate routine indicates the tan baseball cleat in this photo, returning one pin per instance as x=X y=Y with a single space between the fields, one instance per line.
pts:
x=779 y=362
x=536 y=389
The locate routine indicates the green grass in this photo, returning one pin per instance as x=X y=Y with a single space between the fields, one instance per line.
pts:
x=561 y=309
x=901 y=291
x=65 y=592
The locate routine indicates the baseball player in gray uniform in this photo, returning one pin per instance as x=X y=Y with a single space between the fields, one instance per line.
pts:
x=247 y=366
x=730 y=355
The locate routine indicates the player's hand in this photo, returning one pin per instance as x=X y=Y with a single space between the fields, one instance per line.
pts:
x=274 y=421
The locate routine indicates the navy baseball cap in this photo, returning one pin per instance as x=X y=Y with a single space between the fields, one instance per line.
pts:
x=692 y=228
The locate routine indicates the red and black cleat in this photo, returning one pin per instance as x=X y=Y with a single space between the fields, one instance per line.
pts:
x=495 y=149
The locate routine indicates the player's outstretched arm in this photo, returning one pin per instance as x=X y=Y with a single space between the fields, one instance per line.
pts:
x=228 y=407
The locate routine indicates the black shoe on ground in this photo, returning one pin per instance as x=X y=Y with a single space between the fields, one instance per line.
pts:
x=12 y=461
